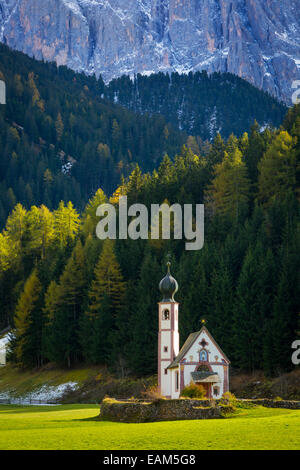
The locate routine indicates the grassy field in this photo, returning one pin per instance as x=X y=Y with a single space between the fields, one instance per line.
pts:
x=73 y=427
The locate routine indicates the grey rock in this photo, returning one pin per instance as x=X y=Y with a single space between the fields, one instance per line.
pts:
x=258 y=40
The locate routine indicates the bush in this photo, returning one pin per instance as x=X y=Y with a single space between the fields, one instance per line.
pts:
x=227 y=410
x=153 y=393
x=228 y=399
x=194 y=391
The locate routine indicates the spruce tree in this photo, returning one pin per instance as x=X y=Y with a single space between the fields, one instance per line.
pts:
x=29 y=324
x=105 y=301
x=67 y=303
x=229 y=192
x=143 y=325
x=277 y=168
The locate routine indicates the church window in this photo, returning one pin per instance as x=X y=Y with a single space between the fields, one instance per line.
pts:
x=216 y=391
x=166 y=314
x=165 y=348
x=176 y=381
x=203 y=355
x=166 y=371
x=191 y=358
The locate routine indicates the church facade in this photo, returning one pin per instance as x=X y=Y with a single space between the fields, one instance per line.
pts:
x=200 y=360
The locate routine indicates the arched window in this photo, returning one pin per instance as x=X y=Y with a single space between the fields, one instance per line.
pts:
x=203 y=355
x=166 y=314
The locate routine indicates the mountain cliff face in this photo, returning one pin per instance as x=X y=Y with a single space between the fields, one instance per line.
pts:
x=258 y=40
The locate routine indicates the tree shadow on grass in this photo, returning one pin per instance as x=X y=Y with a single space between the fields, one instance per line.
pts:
x=93 y=418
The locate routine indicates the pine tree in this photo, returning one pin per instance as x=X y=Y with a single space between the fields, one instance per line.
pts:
x=65 y=304
x=16 y=225
x=29 y=323
x=40 y=228
x=90 y=218
x=8 y=252
x=106 y=299
x=66 y=223
x=143 y=322
x=229 y=192
x=277 y=169
x=286 y=301
x=59 y=126
x=248 y=323
x=220 y=306
x=254 y=151
x=134 y=185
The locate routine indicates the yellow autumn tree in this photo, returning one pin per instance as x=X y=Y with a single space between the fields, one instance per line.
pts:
x=277 y=168
x=66 y=223
x=28 y=323
x=90 y=219
x=229 y=192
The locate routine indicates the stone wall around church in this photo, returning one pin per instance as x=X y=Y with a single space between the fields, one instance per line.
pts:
x=179 y=409
x=159 y=410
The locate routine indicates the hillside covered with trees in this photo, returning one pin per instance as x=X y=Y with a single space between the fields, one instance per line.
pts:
x=198 y=103
x=71 y=298
x=60 y=141
x=63 y=135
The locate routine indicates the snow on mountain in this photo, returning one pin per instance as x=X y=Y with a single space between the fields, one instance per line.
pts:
x=259 y=40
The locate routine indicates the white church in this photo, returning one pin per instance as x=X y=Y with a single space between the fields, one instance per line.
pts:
x=200 y=360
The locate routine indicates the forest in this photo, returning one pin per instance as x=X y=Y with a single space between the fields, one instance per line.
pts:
x=59 y=140
x=71 y=298
x=63 y=134
x=197 y=103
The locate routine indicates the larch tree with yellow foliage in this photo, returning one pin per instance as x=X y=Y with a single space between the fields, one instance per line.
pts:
x=229 y=192
x=90 y=218
x=277 y=168
x=29 y=324
x=66 y=223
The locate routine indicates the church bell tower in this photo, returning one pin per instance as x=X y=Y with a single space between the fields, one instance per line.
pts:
x=168 y=334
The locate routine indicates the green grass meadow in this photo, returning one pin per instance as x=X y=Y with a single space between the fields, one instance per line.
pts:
x=75 y=427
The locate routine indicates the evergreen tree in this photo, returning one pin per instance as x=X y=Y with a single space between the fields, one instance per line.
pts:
x=66 y=223
x=286 y=302
x=144 y=322
x=229 y=192
x=65 y=307
x=248 y=323
x=29 y=323
x=277 y=169
x=106 y=299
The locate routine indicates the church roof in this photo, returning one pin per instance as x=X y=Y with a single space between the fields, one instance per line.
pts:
x=168 y=286
x=209 y=377
x=189 y=343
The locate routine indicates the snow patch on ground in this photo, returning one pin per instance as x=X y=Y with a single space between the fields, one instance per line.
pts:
x=44 y=394
x=3 y=347
x=4 y=341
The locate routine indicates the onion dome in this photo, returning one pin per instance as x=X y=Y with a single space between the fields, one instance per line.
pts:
x=168 y=286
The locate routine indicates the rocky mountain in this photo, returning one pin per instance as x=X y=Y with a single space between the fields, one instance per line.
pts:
x=258 y=40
